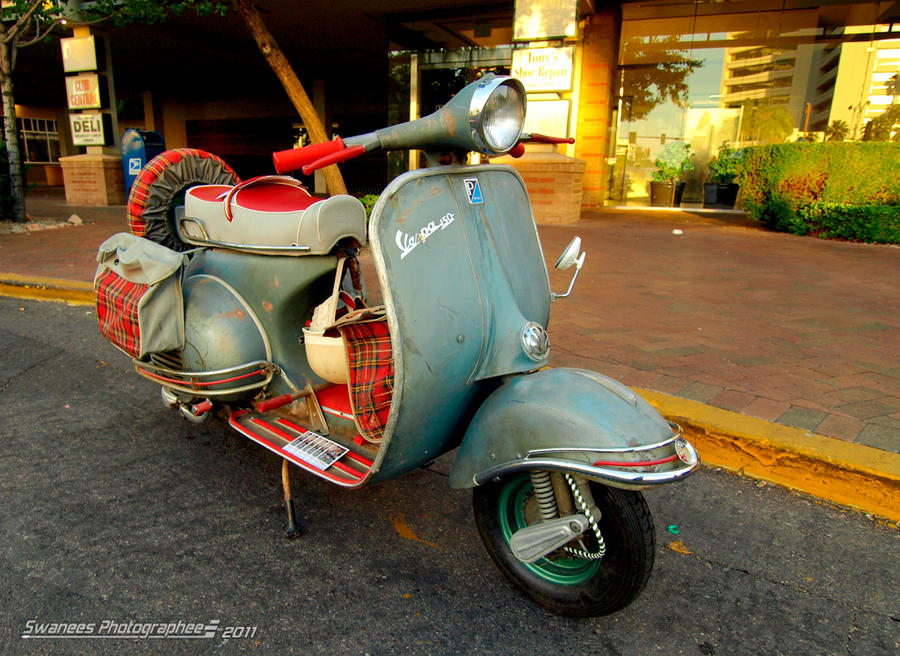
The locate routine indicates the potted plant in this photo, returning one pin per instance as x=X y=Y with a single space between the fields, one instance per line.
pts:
x=721 y=191
x=666 y=185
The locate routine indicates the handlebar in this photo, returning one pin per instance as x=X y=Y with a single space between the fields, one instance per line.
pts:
x=319 y=155
x=296 y=158
x=534 y=137
x=334 y=158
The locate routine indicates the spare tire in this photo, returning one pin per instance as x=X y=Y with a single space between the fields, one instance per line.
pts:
x=160 y=187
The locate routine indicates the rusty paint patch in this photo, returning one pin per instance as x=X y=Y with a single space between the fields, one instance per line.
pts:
x=448 y=122
x=237 y=313
x=267 y=306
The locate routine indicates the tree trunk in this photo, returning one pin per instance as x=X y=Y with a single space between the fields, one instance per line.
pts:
x=11 y=136
x=282 y=68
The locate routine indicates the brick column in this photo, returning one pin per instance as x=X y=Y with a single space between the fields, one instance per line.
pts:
x=553 y=182
x=596 y=92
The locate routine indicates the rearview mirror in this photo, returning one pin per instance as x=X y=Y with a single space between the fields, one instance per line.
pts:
x=570 y=255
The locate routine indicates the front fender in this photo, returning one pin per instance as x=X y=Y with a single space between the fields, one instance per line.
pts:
x=571 y=420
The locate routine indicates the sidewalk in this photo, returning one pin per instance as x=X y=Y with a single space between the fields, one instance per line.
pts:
x=724 y=323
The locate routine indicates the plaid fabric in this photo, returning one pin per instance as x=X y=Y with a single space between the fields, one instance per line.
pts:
x=371 y=375
x=117 y=310
x=140 y=191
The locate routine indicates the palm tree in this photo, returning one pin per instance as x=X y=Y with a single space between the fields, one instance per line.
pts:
x=837 y=131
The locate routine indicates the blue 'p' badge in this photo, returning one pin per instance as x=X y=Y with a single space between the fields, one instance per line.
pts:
x=473 y=191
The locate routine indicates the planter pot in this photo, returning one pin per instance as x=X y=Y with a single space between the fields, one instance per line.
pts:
x=666 y=194
x=720 y=196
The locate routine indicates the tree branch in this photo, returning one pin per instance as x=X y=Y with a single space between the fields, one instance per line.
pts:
x=13 y=32
x=38 y=37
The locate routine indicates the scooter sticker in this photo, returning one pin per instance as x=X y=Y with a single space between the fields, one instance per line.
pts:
x=473 y=191
x=406 y=242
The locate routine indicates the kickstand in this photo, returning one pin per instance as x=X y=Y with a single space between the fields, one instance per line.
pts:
x=292 y=529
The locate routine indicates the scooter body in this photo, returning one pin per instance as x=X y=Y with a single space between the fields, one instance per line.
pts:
x=466 y=306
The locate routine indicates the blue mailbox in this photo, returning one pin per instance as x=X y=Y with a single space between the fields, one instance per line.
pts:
x=138 y=148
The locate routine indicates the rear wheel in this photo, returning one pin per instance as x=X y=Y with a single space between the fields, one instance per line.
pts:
x=566 y=583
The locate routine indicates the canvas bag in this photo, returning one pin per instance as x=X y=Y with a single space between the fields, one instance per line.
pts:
x=140 y=307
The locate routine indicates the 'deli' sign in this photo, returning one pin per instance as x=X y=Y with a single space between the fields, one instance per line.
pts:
x=88 y=129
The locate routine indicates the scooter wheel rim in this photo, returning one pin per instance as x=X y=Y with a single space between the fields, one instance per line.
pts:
x=511 y=514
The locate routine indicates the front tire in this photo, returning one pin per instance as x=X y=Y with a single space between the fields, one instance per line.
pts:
x=567 y=584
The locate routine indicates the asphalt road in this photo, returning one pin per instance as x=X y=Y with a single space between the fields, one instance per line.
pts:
x=114 y=509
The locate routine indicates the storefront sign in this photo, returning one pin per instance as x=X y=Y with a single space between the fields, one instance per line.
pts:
x=544 y=69
x=79 y=54
x=544 y=19
x=548 y=117
x=83 y=91
x=87 y=129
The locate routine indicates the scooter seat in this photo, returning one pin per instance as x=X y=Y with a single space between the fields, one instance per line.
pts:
x=270 y=212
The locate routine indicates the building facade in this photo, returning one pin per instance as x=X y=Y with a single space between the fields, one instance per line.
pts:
x=623 y=78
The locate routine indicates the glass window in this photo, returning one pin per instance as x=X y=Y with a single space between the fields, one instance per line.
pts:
x=745 y=73
x=39 y=140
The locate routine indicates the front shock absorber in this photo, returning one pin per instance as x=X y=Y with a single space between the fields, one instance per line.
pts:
x=543 y=490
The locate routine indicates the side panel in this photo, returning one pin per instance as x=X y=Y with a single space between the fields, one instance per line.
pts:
x=270 y=296
x=553 y=409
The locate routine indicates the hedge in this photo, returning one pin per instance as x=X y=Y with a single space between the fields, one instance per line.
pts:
x=817 y=188
x=877 y=224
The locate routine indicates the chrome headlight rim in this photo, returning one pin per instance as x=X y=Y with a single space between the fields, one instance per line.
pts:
x=480 y=98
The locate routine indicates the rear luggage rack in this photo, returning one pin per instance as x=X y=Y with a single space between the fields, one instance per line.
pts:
x=242 y=378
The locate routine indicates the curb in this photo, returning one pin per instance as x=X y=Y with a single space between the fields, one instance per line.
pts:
x=845 y=473
x=73 y=292
x=853 y=475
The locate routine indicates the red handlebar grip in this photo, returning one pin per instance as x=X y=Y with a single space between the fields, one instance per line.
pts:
x=293 y=159
x=334 y=158
x=543 y=138
x=274 y=402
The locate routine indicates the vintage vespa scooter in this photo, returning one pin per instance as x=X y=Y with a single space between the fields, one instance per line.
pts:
x=456 y=356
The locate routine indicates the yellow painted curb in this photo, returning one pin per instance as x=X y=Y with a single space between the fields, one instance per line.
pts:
x=848 y=474
x=74 y=292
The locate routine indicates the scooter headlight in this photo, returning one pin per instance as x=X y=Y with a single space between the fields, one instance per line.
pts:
x=497 y=113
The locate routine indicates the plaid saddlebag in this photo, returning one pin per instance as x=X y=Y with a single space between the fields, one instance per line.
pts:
x=371 y=376
x=140 y=307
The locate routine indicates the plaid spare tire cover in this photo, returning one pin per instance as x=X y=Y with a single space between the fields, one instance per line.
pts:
x=159 y=186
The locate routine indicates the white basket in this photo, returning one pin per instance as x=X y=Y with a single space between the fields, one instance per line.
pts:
x=327 y=356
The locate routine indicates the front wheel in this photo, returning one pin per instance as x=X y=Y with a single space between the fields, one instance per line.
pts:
x=568 y=584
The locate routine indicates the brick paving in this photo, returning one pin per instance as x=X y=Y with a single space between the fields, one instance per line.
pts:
x=796 y=330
